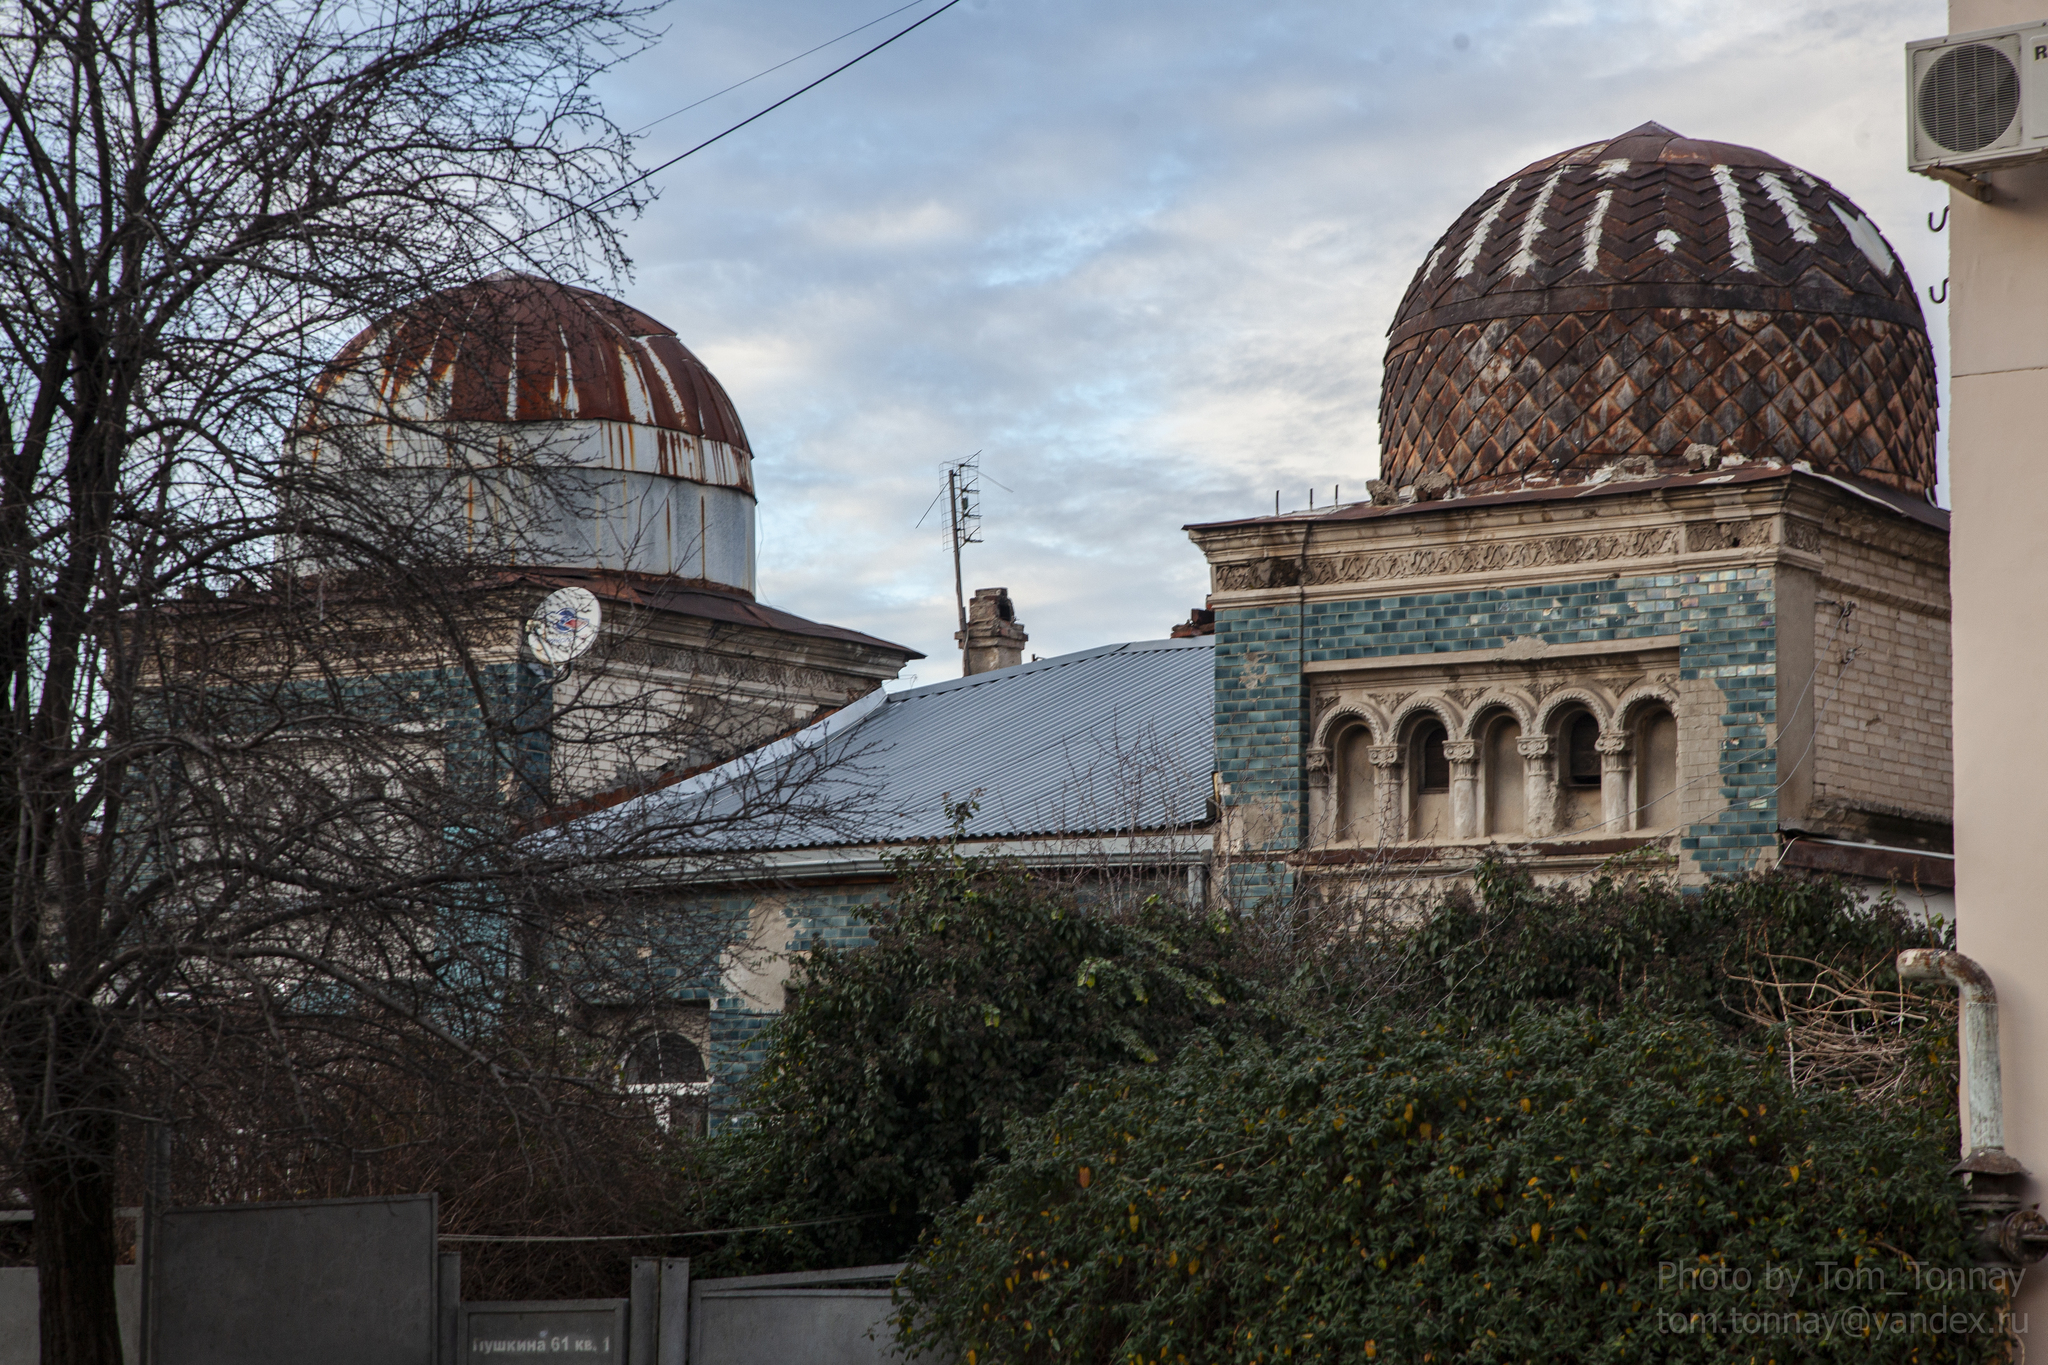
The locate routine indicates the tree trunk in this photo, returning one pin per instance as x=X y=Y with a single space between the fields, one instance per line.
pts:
x=66 y=1100
x=73 y=1196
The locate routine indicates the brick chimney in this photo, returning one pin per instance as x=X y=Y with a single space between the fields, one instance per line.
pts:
x=994 y=637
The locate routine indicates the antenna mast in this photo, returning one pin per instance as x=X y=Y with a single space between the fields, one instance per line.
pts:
x=963 y=505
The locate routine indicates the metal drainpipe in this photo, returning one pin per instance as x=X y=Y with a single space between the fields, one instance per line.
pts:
x=1991 y=1178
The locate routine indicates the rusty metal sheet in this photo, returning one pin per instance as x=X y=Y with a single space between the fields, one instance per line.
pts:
x=1638 y=296
x=518 y=348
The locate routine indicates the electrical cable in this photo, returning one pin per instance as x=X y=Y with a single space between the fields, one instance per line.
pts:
x=651 y=172
x=775 y=68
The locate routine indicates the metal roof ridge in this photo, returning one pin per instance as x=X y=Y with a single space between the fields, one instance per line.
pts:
x=1016 y=671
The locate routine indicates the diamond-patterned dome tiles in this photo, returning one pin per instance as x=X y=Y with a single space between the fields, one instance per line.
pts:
x=1647 y=294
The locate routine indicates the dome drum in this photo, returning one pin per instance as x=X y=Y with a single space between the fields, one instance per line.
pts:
x=1639 y=298
x=629 y=452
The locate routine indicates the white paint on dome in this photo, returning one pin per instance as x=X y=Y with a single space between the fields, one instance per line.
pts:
x=1788 y=204
x=1868 y=239
x=1607 y=170
x=1740 y=251
x=1589 y=253
x=1470 y=256
x=1532 y=227
x=569 y=407
x=512 y=379
x=668 y=382
x=1667 y=240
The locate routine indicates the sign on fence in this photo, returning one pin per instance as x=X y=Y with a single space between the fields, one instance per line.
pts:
x=570 y=1331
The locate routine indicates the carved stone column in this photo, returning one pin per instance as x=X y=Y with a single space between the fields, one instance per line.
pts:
x=1464 y=757
x=1391 y=791
x=1617 y=794
x=1539 y=786
x=1322 y=774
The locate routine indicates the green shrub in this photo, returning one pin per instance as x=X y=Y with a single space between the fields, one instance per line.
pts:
x=893 y=1071
x=1631 y=941
x=1561 y=1187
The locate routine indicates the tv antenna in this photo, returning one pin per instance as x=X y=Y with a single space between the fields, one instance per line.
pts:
x=963 y=501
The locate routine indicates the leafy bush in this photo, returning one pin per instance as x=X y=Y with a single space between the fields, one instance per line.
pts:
x=1563 y=1187
x=895 y=1067
x=1635 y=941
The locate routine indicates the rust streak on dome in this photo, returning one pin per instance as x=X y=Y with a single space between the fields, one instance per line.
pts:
x=1648 y=294
x=519 y=348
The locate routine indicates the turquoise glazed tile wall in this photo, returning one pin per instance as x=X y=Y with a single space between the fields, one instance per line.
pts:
x=1725 y=622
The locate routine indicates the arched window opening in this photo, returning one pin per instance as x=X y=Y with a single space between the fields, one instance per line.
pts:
x=1577 y=744
x=668 y=1069
x=1503 y=778
x=664 y=1059
x=1435 y=766
x=1431 y=817
x=1582 y=751
x=1656 y=749
x=1355 y=811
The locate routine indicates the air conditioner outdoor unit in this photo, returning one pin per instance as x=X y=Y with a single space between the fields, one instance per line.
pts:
x=1977 y=101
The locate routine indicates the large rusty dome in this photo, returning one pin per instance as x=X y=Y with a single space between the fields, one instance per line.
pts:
x=1647 y=295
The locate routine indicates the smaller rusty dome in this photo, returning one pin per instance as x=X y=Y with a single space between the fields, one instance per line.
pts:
x=652 y=471
x=519 y=348
x=1638 y=298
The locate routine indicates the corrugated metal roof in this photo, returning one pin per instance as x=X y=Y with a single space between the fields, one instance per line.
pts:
x=1105 y=741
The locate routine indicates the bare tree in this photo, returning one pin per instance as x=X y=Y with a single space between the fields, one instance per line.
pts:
x=269 y=758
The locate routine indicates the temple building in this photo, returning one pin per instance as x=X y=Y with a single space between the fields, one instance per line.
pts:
x=572 y=441
x=1653 y=561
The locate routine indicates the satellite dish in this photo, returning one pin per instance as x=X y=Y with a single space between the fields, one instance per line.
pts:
x=564 y=625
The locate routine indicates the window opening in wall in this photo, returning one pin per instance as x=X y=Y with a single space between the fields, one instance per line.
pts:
x=1504 y=778
x=1429 y=810
x=1657 y=770
x=1582 y=751
x=669 y=1069
x=1436 y=765
x=1354 y=784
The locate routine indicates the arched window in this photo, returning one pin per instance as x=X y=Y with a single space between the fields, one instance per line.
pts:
x=1434 y=770
x=664 y=1059
x=1355 y=811
x=1431 y=766
x=1502 y=774
x=668 y=1068
x=1656 y=746
x=1577 y=744
x=1582 y=752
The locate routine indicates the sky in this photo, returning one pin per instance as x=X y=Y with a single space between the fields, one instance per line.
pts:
x=1142 y=256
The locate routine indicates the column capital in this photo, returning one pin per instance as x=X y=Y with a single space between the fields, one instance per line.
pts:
x=1384 y=755
x=1611 y=742
x=1317 y=758
x=1461 y=750
x=1533 y=746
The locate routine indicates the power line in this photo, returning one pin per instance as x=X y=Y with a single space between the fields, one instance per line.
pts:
x=657 y=170
x=775 y=68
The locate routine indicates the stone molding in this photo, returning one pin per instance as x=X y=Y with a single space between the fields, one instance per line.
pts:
x=1439 y=561
x=1864 y=592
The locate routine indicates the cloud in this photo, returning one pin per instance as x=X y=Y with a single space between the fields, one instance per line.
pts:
x=1144 y=256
